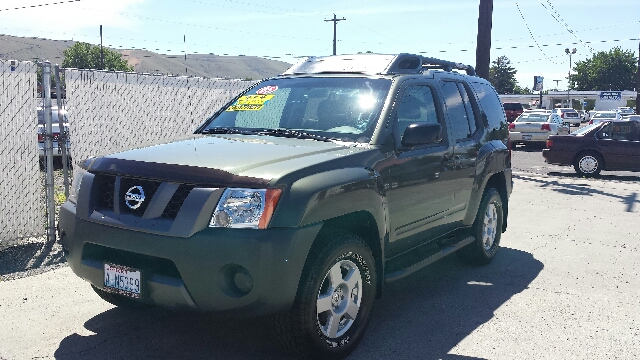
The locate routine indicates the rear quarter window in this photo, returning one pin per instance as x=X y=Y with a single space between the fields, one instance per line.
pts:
x=490 y=104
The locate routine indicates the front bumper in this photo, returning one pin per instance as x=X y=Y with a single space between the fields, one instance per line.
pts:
x=57 y=149
x=232 y=271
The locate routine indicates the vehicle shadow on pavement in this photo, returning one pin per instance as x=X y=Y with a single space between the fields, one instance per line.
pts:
x=426 y=313
x=586 y=189
x=38 y=255
x=599 y=177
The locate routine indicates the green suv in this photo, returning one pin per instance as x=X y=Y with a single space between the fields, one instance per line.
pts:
x=301 y=198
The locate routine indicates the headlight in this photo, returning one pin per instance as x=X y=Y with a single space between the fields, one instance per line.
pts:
x=75 y=186
x=245 y=208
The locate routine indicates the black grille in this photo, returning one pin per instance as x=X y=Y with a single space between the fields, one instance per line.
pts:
x=149 y=187
x=145 y=263
x=105 y=184
x=174 y=205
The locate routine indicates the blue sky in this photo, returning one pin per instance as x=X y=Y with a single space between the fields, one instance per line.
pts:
x=531 y=33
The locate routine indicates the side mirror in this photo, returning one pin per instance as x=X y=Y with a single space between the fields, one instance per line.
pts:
x=421 y=134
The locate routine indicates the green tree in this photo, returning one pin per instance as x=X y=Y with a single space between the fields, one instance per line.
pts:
x=502 y=75
x=522 y=90
x=614 y=69
x=86 y=56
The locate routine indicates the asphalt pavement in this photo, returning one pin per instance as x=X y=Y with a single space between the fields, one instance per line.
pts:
x=563 y=286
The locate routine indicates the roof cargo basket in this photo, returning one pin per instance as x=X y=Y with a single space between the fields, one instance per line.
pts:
x=374 y=64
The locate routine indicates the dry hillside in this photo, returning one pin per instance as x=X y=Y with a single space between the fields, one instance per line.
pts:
x=143 y=61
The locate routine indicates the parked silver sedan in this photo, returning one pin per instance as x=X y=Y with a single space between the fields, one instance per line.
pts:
x=535 y=128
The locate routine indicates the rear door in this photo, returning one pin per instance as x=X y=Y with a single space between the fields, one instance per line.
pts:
x=465 y=134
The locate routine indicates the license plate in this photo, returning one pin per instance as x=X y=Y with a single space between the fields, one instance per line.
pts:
x=122 y=280
x=526 y=137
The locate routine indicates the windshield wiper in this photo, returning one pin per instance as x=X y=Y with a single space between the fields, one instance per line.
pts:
x=224 y=130
x=290 y=134
x=266 y=131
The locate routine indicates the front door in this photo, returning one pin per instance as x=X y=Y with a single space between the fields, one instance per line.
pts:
x=419 y=190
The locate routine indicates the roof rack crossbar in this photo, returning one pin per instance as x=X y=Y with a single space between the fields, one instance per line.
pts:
x=428 y=63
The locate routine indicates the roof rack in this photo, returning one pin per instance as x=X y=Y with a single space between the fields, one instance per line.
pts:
x=374 y=64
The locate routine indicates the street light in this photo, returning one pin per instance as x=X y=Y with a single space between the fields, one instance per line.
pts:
x=573 y=51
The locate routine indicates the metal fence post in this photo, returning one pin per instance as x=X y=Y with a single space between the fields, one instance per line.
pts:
x=64 y=134
x=48 y=152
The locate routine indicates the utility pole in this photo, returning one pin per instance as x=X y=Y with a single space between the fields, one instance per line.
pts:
x=569 y=52
x=101 y=52
x=638 y=83
x=335 y=21
x=483 y=48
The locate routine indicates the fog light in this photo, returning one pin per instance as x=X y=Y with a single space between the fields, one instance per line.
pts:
x=243 y=280
x=235 y=281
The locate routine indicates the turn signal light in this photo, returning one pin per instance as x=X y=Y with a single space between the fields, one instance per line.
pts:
x=511 y=126
x=549 y=143
x=546 y=127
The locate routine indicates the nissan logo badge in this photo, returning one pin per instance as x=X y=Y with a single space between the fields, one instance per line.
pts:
x=134 y=197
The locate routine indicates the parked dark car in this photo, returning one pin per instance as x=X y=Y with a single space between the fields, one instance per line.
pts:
x=610 y=145
x=512 y=110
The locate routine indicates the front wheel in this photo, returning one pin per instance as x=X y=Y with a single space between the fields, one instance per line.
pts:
x=487 y=230
x=335 y=299
x=588 y=164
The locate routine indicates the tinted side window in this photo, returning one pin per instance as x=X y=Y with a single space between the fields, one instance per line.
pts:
x=415 y=106
x=458 y=116
x=618 y=131
x=470 y=106
x=490 y=104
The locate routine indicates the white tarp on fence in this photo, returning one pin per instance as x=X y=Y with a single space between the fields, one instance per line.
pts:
x=22 y=207
x=114 y=111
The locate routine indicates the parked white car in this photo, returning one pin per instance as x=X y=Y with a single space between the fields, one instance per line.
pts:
x=600 y=116
x=569 y=116
x=55 y=125
x=535 y=128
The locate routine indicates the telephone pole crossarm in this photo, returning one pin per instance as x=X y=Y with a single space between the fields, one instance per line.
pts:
x=335 y=22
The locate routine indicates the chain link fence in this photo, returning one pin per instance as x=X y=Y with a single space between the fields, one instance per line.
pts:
x=22 y=208
x=114 y=111
x=107 y=112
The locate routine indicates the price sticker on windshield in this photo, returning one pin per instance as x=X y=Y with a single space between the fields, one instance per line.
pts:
x=250 y=103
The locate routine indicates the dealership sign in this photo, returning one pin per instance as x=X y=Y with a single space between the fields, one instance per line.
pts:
x=610 y=95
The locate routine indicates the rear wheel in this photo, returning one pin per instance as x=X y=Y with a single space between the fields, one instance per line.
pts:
x=588 y=164
x=334 y=303
x=487 y=230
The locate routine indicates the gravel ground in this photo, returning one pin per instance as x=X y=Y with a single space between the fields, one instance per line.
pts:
x=35 y=255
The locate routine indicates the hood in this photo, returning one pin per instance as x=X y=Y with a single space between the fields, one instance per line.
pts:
x=241 y=160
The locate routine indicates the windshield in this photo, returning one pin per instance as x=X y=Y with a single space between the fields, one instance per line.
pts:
x=532 y=118
x=608 y=115
x=346 y=109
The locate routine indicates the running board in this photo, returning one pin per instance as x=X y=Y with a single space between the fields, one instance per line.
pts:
x=431 y=257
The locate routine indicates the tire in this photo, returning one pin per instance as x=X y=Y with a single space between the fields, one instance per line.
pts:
x=119 y=300
x=334 y=302
x=487 y=230
x=588 y=164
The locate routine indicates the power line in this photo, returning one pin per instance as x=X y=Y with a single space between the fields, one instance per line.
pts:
x=530 y=33
x=563 y=23
x=39 y=5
